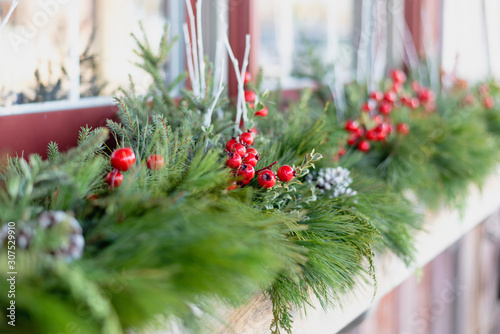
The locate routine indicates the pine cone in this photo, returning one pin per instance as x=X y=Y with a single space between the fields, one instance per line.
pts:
x=71 y=239
x=72 y=245
x=24 y=236
x=335 y=181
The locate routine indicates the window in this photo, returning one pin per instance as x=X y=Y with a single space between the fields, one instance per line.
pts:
x=471 y=49
x=35 y=53
x=78 y=52
x=465 y=46
x=289 y=27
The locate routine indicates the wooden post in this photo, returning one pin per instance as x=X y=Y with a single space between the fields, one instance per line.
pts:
x=242 y=20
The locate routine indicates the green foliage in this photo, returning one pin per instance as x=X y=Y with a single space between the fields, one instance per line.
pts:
x=168 y=244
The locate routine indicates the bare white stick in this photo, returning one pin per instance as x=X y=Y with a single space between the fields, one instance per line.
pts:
x=13 y=6
x=194 y=80
x=217 y=69
x=236 y=66
x=241 y=82
x=208 y=116
x=193 y=42
x=201 y=55
x=219 y=72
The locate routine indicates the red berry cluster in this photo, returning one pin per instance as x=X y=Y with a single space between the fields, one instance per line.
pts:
x=123 y=159
x=378 y=124
x=251 y=97
x=242 y=159
x=484 y=93
x=460 y=85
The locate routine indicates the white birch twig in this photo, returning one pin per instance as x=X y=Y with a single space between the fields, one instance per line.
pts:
x=208 y=116
x=240 y=104
x=241 y=82
x=194 y=81
x=193 y=43
x=219 y=72
x=236 y=66
x=13 y=6
x=201 y=57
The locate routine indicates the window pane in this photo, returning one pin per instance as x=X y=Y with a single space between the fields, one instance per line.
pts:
x=288 y=28
x=34 y=53
x=113 y=21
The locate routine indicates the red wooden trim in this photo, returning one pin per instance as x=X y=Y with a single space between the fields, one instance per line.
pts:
x=30 y=133
x=413 y=17
x=414 y=21
x=242 y=20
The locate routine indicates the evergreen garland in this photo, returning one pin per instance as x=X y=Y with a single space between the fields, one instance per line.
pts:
x=169 y=244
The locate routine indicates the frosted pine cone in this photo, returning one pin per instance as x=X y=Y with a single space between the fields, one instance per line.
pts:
x=72 y=242
x=23 y=235
x=64 y=231
x=335 y=181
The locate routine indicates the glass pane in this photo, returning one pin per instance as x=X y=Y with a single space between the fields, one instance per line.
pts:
x=288 y=28
x=34 y=53
x=111 y=48
x=91 y=81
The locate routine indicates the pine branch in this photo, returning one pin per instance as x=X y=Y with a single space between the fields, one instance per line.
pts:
x=53 y=152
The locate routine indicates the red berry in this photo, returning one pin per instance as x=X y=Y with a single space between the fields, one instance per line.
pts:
x=232 y=186
x=398 y=76
x=489 y=103
x=414 y=103
x=250 y=96
x=382 y=130
x=233 y=160
x=266 y=179
x=372 y=134
x=245 y=182
x=239 y=148
x=286 y=173
x=405 y=99
x=251 y=105
x=385 y=108
x=390 y=96
x=381 y=135
x=353 y=139
x=114 y=179
x=484 y=89
x=377 y=119
x=122 y=159
x=425 y=95
x=246 y=171
x=247 y=77
x=367 y=107
x=360 y=132
x=383 y=127
x=254 y=131
x=351 y=125
x=364 y=146
x=397 y=87
x=251 y=159
x=341 y=152
x=246 y=138
x=262 y=112
x=230 y=143
x=403 y=128
x=252 y=150
x=390 y=128
x=155 y=162
x=377 y=96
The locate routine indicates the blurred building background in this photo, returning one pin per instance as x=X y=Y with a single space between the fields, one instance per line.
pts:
x=75 y=54
x=71 y=50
